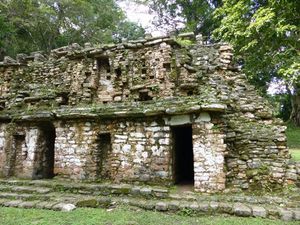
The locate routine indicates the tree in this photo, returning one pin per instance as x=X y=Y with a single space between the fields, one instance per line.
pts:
x=5 y=33
x=193 y=15
x=128 y=31
x=265 y=36
x=32 y=25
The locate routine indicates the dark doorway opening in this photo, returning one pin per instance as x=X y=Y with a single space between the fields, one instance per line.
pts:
x=14 y=162
x=103 y=64
x=183 y=162
x=144 y=95
x=44 y=155
x=103 y=147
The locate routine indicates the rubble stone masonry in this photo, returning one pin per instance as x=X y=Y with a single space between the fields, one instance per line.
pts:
x=108 y=113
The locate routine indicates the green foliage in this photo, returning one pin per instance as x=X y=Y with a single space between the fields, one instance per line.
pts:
x=92 y=203
x=293 y=136
x=263 y=170
x=184 y=42
x=178 y=15
x=295 y=153
x=265 y=37
x=33 y=25
x=5 y=33
x=293 y=141
x=186 y=212
x=128 y=31
x=282 y=104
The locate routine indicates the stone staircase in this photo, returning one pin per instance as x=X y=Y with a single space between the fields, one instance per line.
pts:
x=66 y=196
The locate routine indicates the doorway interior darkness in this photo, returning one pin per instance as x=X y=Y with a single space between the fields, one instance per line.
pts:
x=44 y=155
x=183 y=163
x=104 y=147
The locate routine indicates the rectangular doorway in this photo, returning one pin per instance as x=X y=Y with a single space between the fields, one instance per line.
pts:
x=43 y=166
x=183 y=162
x=103 y=148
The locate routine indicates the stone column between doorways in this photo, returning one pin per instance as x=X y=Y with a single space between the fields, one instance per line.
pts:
x=209 y=150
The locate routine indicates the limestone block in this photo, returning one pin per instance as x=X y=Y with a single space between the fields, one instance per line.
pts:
x=241 y=210
x=214 y=205
x=137 y=135
x=203 y=117
x=140 y=148
x=64 y=207
x=286 y=215
x=161 y=206
x=164 y=141
x=296 y=214
x=258 y=211
x=178 y=120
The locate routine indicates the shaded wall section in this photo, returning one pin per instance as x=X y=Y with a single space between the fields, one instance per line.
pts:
x=128 y=151
x=44 y=153
x=18 y=150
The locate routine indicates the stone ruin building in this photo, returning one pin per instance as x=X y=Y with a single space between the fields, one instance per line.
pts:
x=167 y=110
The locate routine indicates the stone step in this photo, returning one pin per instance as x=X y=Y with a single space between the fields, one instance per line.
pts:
x=22 y=196
x=64 y=196
x=145 y=192
x=86 y=188
x=50 y=196
x=212 y=208
x=25 y=189
x=37 y=204
x=68 y=203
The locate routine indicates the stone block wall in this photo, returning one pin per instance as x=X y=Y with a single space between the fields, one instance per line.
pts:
x=18 y=146
x=293 y=173
x=118 y=73
x=256 y=143
x=259 y=161
x=209 y=150
x=73 y=150
x=2 y=144
x=111 y=94
x=29 y=149
x=139 y=151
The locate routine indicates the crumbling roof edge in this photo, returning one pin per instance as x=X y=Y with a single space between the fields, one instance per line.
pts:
x=75 y=50
x=92 y=112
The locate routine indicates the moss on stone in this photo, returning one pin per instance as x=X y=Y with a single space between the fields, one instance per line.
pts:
x=91 y=203
x=184 y=42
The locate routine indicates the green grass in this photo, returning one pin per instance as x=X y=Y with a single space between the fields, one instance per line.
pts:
x=120 y=216
x=293 y=141
x=293 y=136
x=295 y=154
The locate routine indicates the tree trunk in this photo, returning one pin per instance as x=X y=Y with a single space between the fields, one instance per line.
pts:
x=295 y=102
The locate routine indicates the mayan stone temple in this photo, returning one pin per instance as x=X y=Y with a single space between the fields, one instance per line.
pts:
x=161 y=111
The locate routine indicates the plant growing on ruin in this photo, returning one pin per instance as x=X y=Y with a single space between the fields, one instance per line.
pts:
x=265 y=35
x=184 y=42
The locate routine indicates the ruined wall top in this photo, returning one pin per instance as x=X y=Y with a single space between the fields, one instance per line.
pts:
x=149 y=75
x=88 y=50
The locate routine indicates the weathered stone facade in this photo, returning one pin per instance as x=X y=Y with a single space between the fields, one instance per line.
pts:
x=149 y=111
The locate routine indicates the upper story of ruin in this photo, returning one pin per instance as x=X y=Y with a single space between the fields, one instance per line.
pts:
x=143 y=77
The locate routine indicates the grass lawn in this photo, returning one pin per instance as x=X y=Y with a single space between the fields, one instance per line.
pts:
x=293 y=140
x=120 y=216
x=295 y=153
